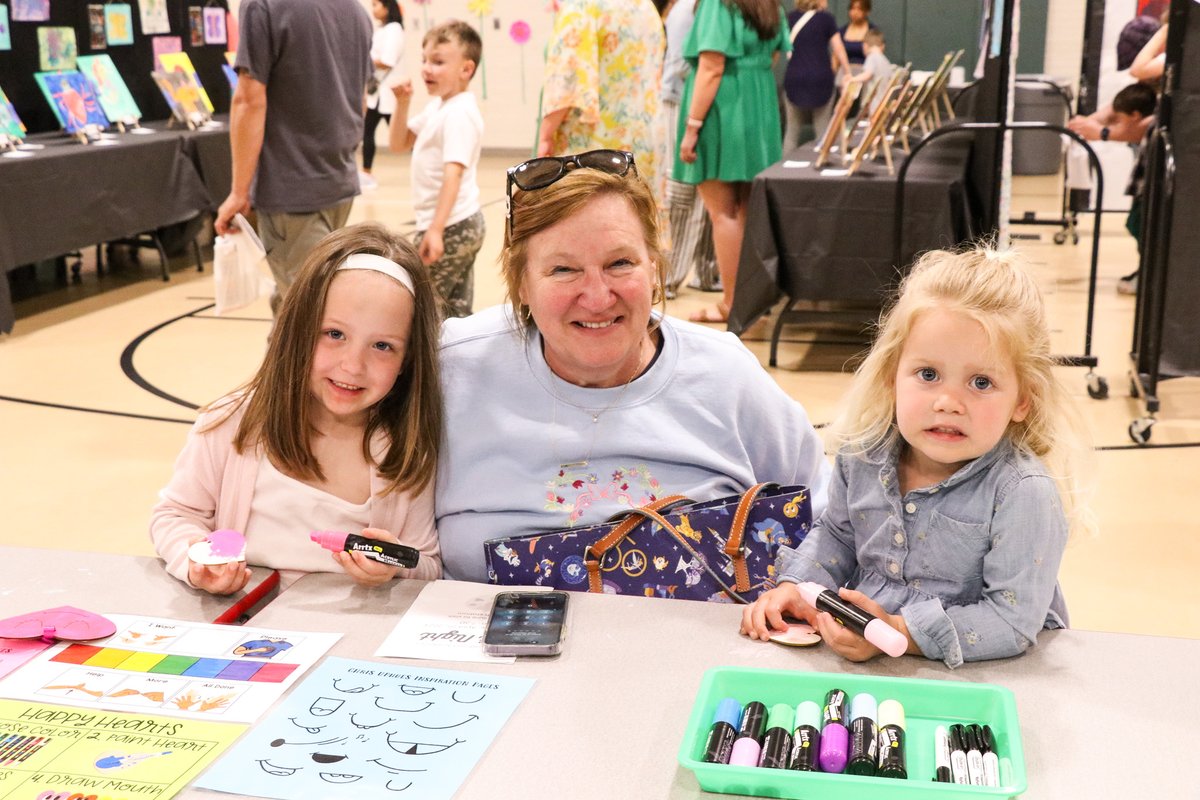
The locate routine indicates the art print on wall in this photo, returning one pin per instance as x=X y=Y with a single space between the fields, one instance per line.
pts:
x=72 y=98
x=118 y=21
x=196 y=22
x=30 y=10
x=154 y=16
x=56 y=48
x=163 y=45
x=97 y=28
x=116 y=101
x=214 y=26
x=5 y=31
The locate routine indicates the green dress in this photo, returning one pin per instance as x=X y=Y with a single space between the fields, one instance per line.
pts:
x=741 y=135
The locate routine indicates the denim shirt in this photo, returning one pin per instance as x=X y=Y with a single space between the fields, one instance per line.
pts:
x=971 y=563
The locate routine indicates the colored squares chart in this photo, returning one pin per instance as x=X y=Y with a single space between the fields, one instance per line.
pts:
x=163 y=664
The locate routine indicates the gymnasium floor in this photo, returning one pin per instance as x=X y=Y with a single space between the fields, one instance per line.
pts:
x=98 y=381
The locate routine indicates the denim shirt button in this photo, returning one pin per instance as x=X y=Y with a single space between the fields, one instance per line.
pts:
x=894 y=568
x=898 y=538
x=911 y=508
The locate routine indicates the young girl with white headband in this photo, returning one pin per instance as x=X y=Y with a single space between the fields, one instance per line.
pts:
x=338 y=430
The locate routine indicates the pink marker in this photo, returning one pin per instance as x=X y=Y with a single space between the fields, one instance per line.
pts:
x=391 y=553
x=868 y=626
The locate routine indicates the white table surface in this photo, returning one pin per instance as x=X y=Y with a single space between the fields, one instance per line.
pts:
x=1102 y=715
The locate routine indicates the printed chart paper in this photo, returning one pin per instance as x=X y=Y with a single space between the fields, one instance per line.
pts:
x=364 y=729
x=56 y=751
x=446 y=623
x=222 y=673
x=15 y=652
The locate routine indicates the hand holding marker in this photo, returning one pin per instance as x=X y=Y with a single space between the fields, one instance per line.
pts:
x=868 y=626
x=391 y=553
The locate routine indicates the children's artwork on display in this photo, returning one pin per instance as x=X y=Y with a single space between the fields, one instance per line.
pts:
x=58 y=751
x=118 y=23
x=214 y=26
x=10 y=123
x=72 y=98
x=221 y=673
x=231 y=32
x=230 y=57
x=196 y=24
x=231 y=76
x=97 y=36
x=165 y=44
x=154 y=16
x=30 y=10
x=115 y=99
x=56 y=48
x=5 y=31
x=179 y=62
x=383 y=728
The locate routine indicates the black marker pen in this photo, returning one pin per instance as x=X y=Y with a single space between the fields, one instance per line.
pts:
x=864 y=735
x=777 y=741
x=892 y=759
x=958 y=755
x=941 y=756
x=991 y=762
x=806 y=739
x=971 y=737
x=835 y=738
x=723 y=731
x=748 y=744
x=391 y=553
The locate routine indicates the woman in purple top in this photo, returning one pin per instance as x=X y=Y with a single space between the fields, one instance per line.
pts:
x=809 y=79
x=855 y=31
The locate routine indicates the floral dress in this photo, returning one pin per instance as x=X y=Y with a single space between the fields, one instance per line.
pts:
x=604 y=63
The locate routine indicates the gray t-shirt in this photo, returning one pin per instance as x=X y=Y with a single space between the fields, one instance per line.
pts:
x=314 y=58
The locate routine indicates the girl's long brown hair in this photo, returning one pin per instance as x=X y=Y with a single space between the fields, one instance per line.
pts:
x=277 y=398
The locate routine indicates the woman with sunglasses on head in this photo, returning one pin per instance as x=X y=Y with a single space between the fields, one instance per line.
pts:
x=580 y=400
x=731 y=129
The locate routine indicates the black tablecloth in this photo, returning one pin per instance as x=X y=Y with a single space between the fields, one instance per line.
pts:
x=69 y=196
x=830 y=238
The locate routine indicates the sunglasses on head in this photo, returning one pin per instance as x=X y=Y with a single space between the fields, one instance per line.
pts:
x=538 y=173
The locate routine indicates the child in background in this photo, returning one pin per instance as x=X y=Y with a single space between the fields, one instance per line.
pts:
x=338 y=429
x=446 y=141
x=956 y=475
x=876 y=67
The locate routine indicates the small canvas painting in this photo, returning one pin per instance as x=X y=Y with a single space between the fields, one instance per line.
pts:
x=165 y=44
x=231 y=76
x=196 y=23
x=116 y=101
x=214 y=26
x=179 y=62
x=180 y=94
x=72 y=98
x=56 y=48
x=5 y=32
x=10 y=123
x=118 y=21
x=154 y=16
x=30 y=10
x=97 y=35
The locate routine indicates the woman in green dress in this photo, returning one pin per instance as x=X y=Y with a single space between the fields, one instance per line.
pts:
x=731 y=130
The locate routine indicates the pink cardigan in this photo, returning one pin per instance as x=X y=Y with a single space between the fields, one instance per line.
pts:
x=213 y=485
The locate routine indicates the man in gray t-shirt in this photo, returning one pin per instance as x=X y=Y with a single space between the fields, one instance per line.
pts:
x=295 y=122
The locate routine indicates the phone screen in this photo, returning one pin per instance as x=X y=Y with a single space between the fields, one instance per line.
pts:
x=526 y=622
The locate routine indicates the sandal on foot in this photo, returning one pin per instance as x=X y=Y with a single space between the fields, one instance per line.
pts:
x=717 y=314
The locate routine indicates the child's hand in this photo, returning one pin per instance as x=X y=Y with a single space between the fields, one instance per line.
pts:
x=848 y=644
x=403 y=90
x=765 y=615
x=217 y=578
x=432 y=248
x=365 y=571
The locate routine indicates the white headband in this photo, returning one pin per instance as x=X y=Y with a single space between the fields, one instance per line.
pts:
x=379 y=264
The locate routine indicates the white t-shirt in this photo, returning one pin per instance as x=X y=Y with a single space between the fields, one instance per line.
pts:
x=387 y=47
x=447 y=132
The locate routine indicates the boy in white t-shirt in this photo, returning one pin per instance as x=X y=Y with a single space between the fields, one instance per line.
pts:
x=445 y=139
x=876 y=67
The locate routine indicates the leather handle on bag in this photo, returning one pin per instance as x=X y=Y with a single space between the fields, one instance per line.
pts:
x=594 y=554
x=735 y=545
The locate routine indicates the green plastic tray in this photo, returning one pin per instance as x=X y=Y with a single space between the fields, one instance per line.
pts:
x=927 y=704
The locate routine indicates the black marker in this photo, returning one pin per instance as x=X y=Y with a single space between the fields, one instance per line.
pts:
x=834 y=736
x=868 y=626
x=723 y=731
x=958 y=755
x=748 y=744
x=864 y=735
x=971 y=737
x=892 y=760
x=941 y=756
x=393 y=554
x=806 y=739
x=991 y=762
x=777 y=741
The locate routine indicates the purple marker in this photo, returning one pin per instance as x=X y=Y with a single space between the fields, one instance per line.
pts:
x=748 y=745
x=391 y=553
x=868 y=626
x=835 y=739
x=723 y=731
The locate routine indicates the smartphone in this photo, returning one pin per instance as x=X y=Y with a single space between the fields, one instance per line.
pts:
x=526 y=624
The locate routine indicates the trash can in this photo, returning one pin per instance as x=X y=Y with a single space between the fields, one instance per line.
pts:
x=1039 y=100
